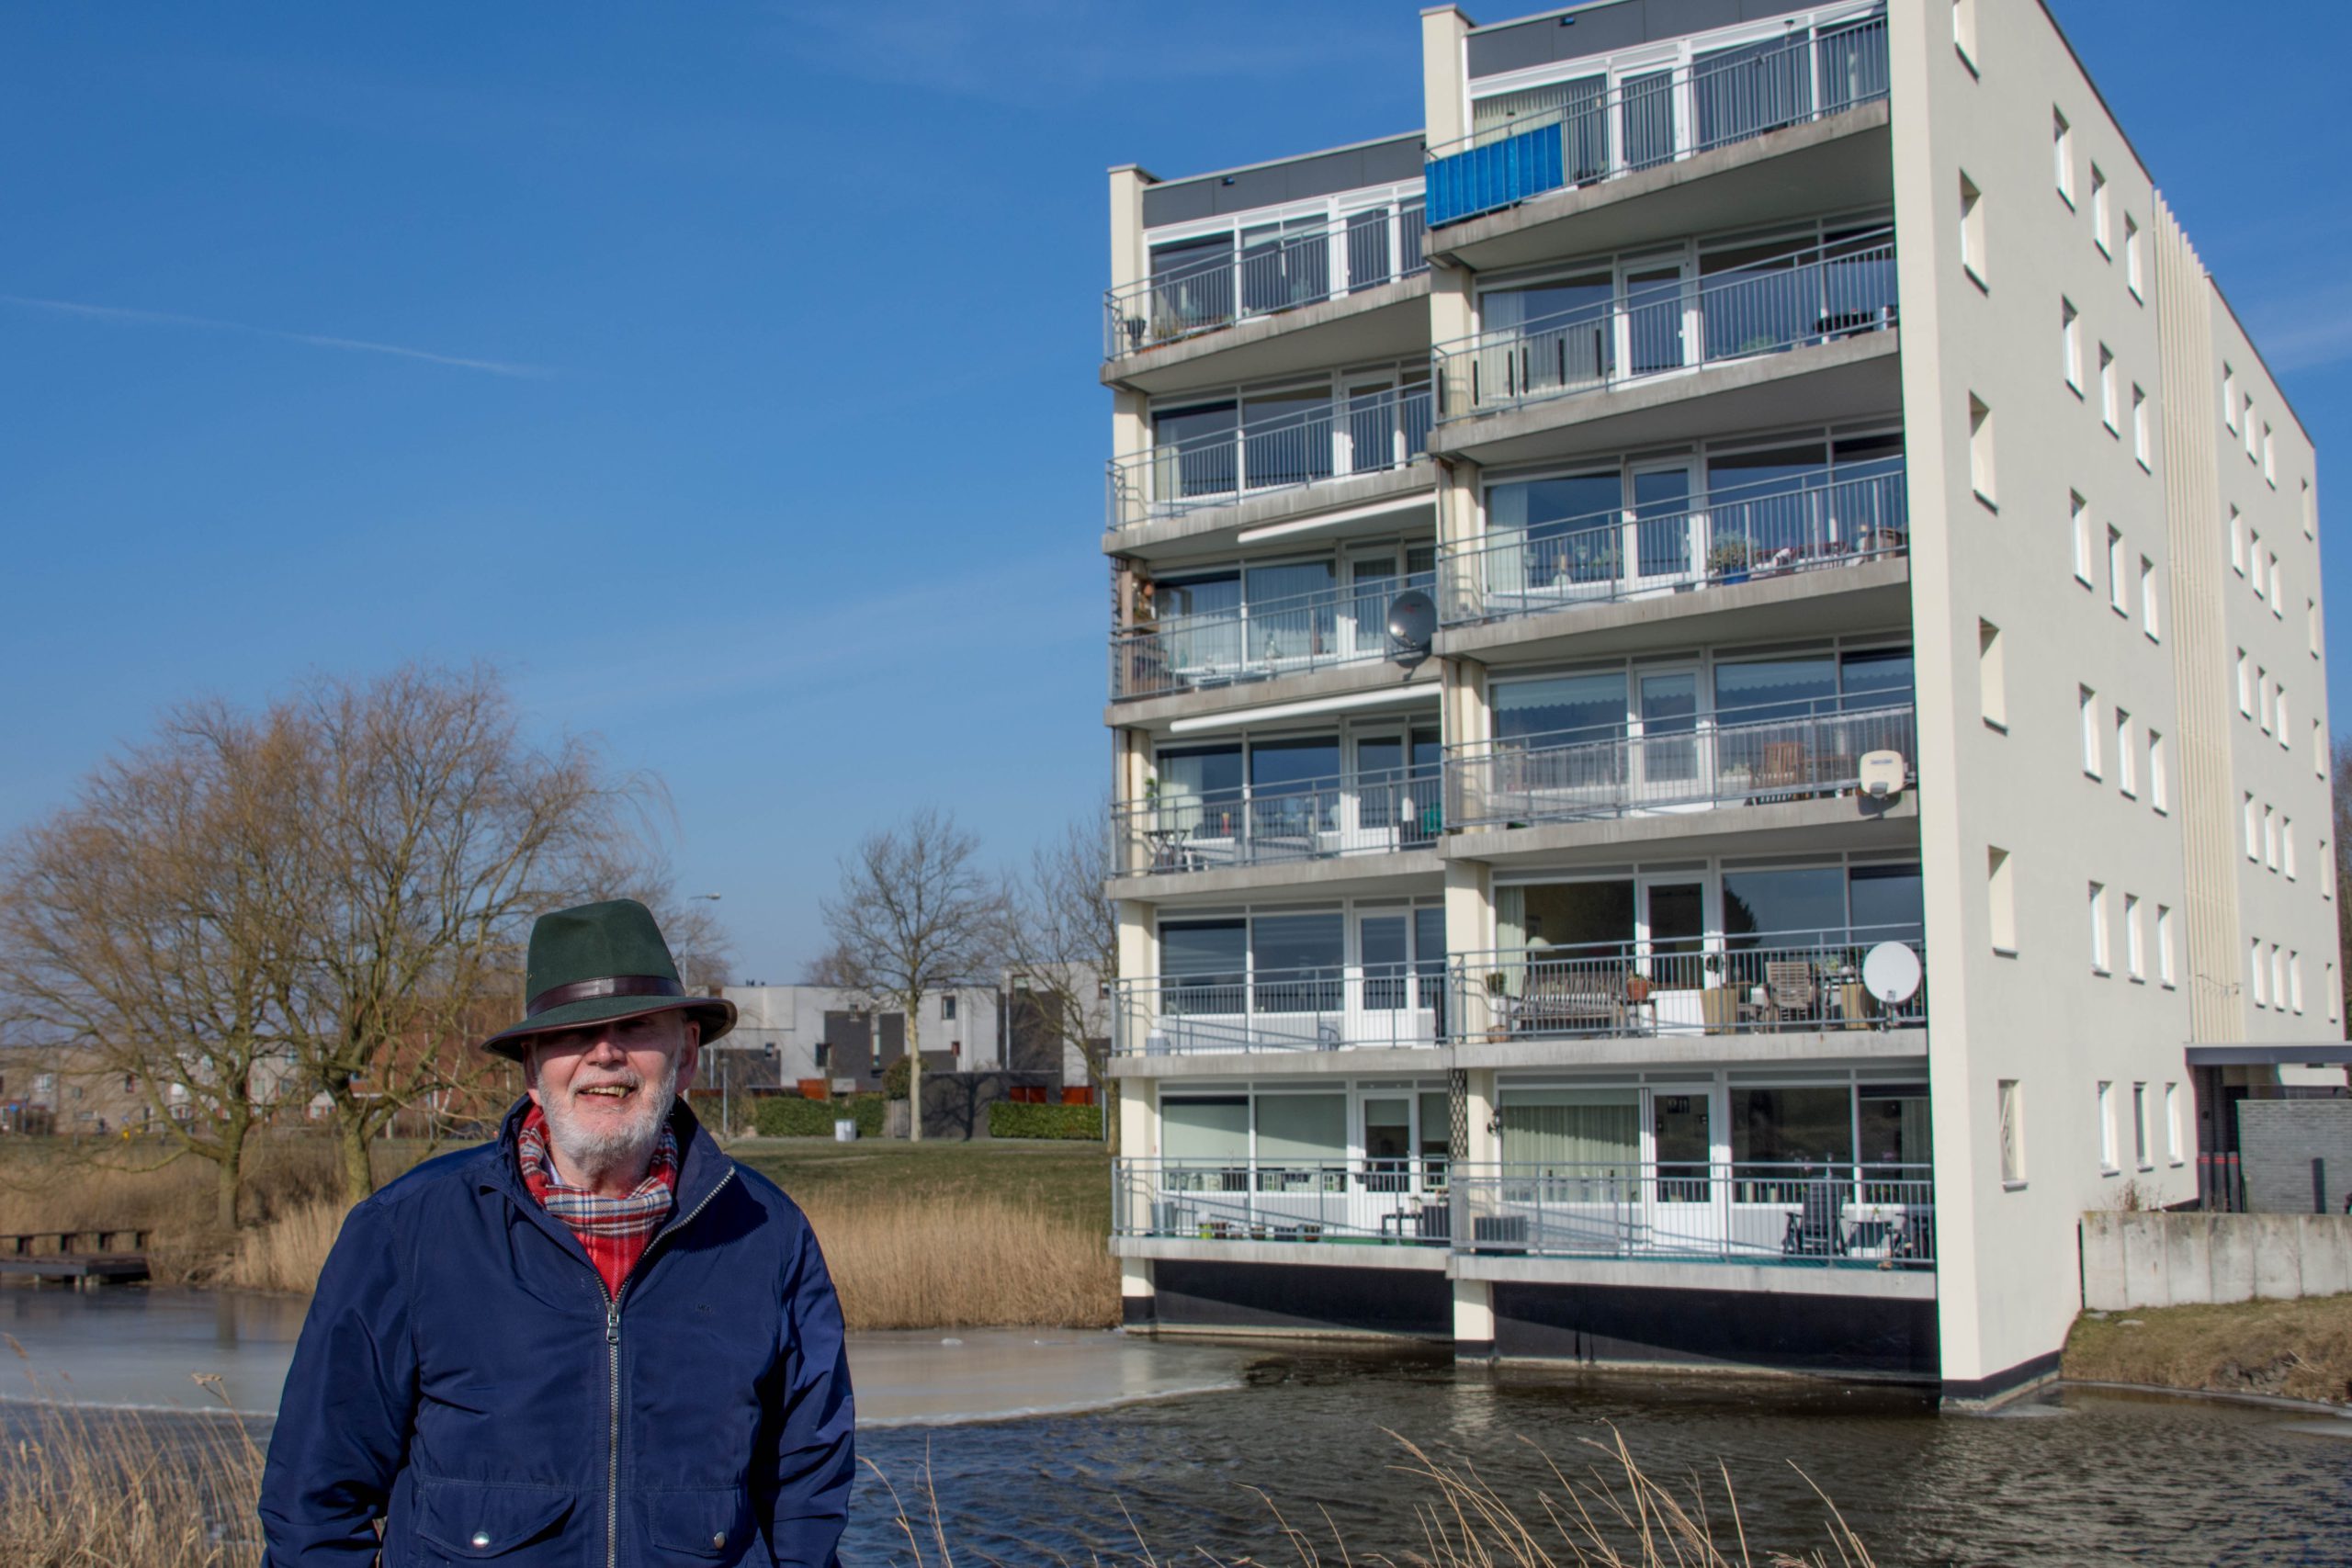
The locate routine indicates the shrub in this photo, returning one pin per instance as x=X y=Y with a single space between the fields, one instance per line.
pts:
x=1007 y=1120
x=785 y=1117
x=893 y=1079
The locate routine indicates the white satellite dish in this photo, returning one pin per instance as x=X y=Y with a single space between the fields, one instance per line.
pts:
x=1891 y=974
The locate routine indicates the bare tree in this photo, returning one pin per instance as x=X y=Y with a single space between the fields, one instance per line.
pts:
x=143 y=928
x=1062 y=944
x=832 y=969
x=914 y=914
x=431 y=837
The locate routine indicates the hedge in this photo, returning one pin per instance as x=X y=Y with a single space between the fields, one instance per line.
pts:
x=1007 y=1120
x=785 y=1117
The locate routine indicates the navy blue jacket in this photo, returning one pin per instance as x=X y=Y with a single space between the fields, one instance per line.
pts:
x=464 y=1375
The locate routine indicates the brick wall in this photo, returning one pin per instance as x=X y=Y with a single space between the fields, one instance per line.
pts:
x=2278 y=1140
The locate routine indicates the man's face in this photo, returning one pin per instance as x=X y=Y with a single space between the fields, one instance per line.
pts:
x=606 y=1088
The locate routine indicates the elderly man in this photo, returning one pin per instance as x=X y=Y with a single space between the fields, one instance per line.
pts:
x=597 y=1341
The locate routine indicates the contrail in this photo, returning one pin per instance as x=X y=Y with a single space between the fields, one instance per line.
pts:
x=314 y=339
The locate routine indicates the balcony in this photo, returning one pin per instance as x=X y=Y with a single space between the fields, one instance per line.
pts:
x=1381 y=432
x=1263 y=273
x=1573 y=777
x=1809 y=523
x=1805 y=982
x=1606 y=132
x=1259 y=641
x=1314 y=819
x=1353 y=1007
x=1876 y=1217
x=1811 y=297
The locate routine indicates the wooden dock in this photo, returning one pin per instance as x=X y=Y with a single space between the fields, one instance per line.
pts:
x=78 y=1257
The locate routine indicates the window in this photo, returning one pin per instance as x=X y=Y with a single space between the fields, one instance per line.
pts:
x=2310 y=625
x=2001 y=905
x=2172 y=1122
x=2117 y=584
x=2099 y=211
x=2252 y=829
x=2326 y=871
x=2269 y=456
x=2255 y=968
x=2229 y=399
x=2254 y=561
x=2148 y=598
x=2098 y=927
x=2135 y=952
x=2156 y=781
x=2287 y=845
x=2246 y=685
x=2140 y=448
x=2140 y=1126
x=2319 y=749
x=2132 y=258
x=1992 y=679
x=1964 y=31
x=947 y=1006
x=1971 y=230
x=1980 y=448
x=2270 y=838
x=2078 y=520
x=2163 y=944
x=2278 y=976
x=2011 y=1109
x=2311 y=512
x=2086 y=701
x=2279 y=707
x=2070 y=345
x=2262 y=698
x=2107 y=1127
x=2123 y=779
x=2062 y=152
x=2295 y=981
x=2106 y=405
x=2238 y=542
x=2277 y=598
x=2248 y=413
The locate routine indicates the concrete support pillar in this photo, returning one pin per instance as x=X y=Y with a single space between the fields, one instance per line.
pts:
x=1478 y=1104
x=1473 y=1319
x=1136 y=1293
x=1130 y=433
x=1128 y=264
x=1469 y=928
x=1445 y=72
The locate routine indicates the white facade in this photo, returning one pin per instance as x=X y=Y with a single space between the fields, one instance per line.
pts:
x=1773 y=414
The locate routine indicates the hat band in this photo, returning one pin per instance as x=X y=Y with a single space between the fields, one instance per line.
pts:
x=610 y=986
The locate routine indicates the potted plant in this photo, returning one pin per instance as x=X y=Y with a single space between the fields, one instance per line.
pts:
x=1718 y=1007
x=1498 y=1007
x=1728 y=558
x=1637 y=987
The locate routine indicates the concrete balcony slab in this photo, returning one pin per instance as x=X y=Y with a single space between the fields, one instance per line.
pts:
x=1392 y=501
x=1372 y=674
x=1397 y=871
x=1833 y=822
x=1389 y=321
x=1763 y=1278
x=1364 y=1253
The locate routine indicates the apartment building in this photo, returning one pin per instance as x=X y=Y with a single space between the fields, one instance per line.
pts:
x=1860 y=800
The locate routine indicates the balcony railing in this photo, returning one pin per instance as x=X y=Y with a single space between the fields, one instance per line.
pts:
x=1373 y=433
x=1830 y=521
x=1803 y=299
x=1258 y=641
x=1749 y=984
x=1568 y=777
x=1316 y=819
x=1782 y=1213
x=1339 y=1008
x=1658 y=118
x=1301 y=266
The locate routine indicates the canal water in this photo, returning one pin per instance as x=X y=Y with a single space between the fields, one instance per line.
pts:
x=1044 y=1445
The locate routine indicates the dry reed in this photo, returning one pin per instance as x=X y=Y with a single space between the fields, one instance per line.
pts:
x=932 y=1259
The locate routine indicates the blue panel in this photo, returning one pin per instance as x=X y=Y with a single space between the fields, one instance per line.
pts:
x=1499 y=175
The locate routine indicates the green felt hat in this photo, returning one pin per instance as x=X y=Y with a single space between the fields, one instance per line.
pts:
x=598 y=962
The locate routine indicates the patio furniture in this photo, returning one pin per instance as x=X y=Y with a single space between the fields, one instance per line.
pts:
x=1816 y=1229
x=1789 y=990
x=1561 y=999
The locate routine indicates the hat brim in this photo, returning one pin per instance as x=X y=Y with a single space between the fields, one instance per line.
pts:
x=716 y=1014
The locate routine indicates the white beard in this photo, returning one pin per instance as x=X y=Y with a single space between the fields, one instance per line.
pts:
x=597 y=1152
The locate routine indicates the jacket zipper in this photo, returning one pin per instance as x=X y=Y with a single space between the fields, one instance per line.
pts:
x=613 y=1363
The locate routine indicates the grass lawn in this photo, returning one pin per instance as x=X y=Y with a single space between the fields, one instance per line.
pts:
x=2300 y=1349
x=1064 y=1178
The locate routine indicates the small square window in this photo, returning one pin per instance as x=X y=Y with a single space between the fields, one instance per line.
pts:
x=2070 y=343
x=2238 y=542
x=2278 y=599
x=2172 y=1124
x=2000 y=900
x=2140 y=1126
x=2270 y=455
x=2163 y=944
x=2124 y=752
x=2118 y=585
x=2141 y=447
x=2148 y=598
x=2246 y=685
x=2107 y=1127
x=2135 y=956
x=2098 y=927
x=2252 y=828
x=1980 y=450
x=2229 y=397
x=2107 y=403
x=2086 y=701
x=2255 y=577
x=2062 y=152
x=2257 y=972
x=2010 y=1103
x=1991 y=675
x=2132 y=258
x=2156 y=781
x=2079 y=522
x=2099 y=211
x=1963 y=32
x=1971 y=231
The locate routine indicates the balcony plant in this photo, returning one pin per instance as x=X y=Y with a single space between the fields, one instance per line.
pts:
x=1728 y=557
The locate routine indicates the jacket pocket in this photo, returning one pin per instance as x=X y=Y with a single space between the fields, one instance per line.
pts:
x=467 y=1522
x=712 y=1525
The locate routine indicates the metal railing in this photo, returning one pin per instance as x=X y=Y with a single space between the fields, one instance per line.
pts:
x=1313 y=820
x=1609 y=555
x=1792 y=1213
x=1277 y=1200
x=1373 y=433
x=1744 y=984
x=1304 y=264
x=1571 y=777
x=1658 y=118
x=1337 y=1008
x=1805 y=298
x=1256 y=641
x=1878 y=1216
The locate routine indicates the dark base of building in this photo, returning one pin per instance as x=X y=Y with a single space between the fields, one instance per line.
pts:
x=1981 y=1394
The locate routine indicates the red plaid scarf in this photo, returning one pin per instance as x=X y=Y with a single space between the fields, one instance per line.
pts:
x=613 y=1231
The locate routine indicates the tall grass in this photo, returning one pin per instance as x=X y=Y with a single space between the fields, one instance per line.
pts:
x=933 y=1260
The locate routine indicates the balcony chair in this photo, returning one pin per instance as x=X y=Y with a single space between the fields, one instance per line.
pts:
x=1571 y=1002
x=1816 y=1229
x=1789 y=992
x=1783 y=771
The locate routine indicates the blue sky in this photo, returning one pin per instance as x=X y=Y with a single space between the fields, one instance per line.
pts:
x=726 y=373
